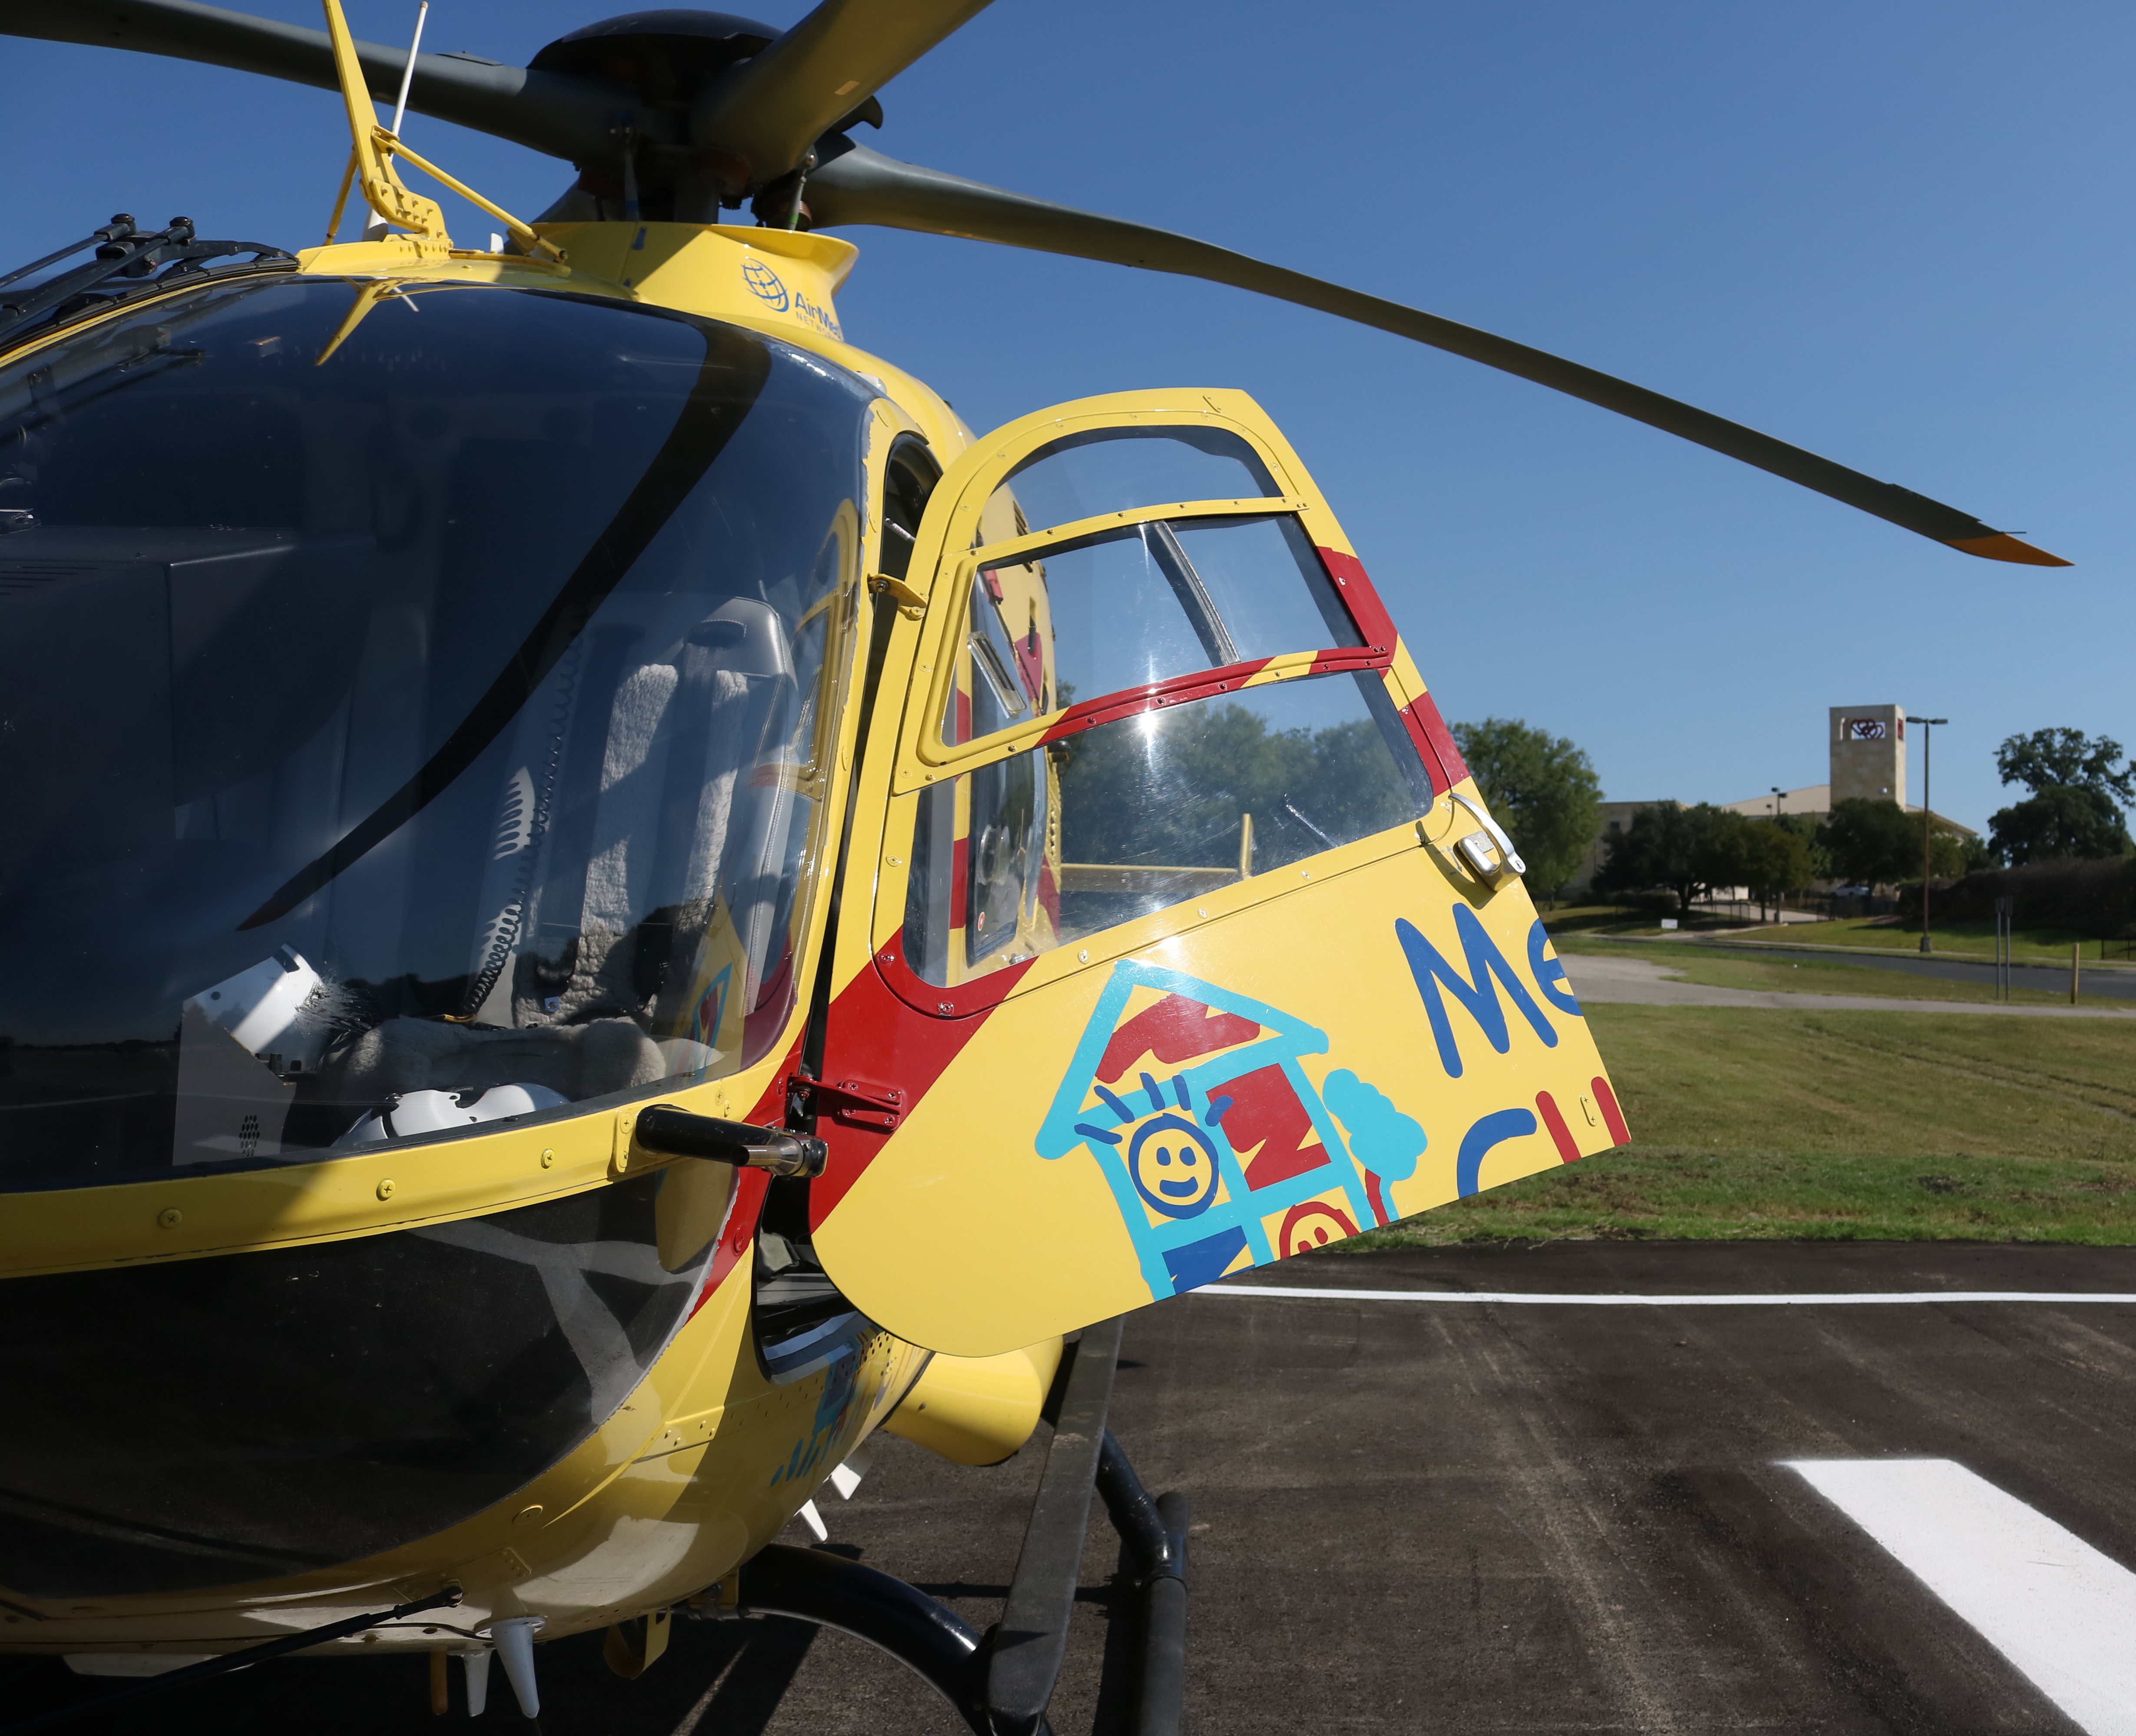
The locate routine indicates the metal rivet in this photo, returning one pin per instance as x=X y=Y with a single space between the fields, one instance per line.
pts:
x=548 y=1160
x=386 y=1190
x=947 y=1006
x=1083 y=957
x=527 y=1516
x=1201 y=911
x=169 y=1218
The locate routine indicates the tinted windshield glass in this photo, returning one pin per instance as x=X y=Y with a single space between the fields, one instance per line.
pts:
x=409 y=722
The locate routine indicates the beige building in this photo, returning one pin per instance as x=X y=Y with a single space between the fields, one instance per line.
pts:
x=1866 y=750
x=1868 y=753
x=1814 y=799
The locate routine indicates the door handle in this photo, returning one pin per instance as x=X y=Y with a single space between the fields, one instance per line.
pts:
x=676 y=1132
x=1489 y=854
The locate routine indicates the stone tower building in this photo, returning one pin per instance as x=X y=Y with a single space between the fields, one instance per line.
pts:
x=1869 y=752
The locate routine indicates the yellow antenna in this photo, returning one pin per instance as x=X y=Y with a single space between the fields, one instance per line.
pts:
x=371 y=163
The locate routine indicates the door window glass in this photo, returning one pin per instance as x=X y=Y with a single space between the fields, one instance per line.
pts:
x=1118 y=469
x=1113 y=823
x=1126 y=607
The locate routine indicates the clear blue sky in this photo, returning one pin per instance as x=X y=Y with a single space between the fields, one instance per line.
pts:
x=1897 y=233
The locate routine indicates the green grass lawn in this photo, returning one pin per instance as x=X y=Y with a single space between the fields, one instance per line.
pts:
x=1910 y=1126
x=1744 y=968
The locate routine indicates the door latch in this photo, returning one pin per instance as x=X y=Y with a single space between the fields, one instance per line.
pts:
x=910 y=601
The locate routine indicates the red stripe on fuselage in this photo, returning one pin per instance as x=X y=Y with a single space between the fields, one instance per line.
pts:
x=736 y=1233
x=1361 y=598
x=875 y=1035
x=1172 y=690
x=1426 y=727
x=1441 y=749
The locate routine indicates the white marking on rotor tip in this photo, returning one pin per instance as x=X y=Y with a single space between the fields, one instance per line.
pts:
x=1821 y=1299
x=2061 y=1611
x=814 y=1520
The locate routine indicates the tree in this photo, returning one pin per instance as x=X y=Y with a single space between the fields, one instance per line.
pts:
x=1950 y=856
x=1872 y=842
x=1880 y=843
x=1685 y=850
x=1780 y=855
x=2067 y=757
x=2063 y=820
x=1541 y=789
x=2070 y=811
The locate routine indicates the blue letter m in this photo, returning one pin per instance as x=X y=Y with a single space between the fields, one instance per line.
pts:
x=1476 y=992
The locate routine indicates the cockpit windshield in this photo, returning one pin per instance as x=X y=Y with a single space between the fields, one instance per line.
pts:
x=413 y=711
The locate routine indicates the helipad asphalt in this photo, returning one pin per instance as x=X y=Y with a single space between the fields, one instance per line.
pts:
x=1429 y=1515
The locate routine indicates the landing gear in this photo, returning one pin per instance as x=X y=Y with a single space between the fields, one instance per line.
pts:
x=1001 y=1682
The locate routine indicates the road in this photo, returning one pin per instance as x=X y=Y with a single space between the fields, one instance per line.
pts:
x=1421 y=1514
x=2053 y=979
x=1646 y=980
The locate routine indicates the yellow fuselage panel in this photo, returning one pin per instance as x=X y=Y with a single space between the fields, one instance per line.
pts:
x=703 y=1465
x=1349 y=1048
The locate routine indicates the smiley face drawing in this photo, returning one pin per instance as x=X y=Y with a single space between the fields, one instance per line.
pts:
x=1172 y=1163
x=1314 y=1225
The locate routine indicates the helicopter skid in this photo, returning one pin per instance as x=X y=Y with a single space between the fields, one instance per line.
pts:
x=1001 y=1682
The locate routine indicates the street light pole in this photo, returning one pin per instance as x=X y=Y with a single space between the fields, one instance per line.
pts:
x=1927 y=819
x=1779 y=801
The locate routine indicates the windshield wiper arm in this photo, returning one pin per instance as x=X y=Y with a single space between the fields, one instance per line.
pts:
x=125 y=252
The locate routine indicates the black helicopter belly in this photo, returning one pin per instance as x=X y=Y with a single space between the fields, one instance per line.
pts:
x=175 y=1427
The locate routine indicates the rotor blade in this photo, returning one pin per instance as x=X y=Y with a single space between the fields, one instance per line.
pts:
x=558 y=115
x=769 y=110
x=861 y=185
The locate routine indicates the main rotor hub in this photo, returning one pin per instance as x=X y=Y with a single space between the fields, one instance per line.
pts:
x=665 y=56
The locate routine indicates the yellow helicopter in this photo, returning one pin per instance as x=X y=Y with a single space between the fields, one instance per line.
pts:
x=603 y=899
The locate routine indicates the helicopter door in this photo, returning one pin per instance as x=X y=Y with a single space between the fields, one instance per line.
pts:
x=1193 y=945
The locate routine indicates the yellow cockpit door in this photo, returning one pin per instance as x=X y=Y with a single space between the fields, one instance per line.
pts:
x=1189 y=944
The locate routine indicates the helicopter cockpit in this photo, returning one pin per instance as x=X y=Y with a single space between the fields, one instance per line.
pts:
x=415 y=713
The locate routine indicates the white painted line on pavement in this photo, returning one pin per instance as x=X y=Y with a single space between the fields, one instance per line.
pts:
x=1842 y=1298
x=2059 y=1611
